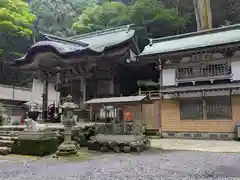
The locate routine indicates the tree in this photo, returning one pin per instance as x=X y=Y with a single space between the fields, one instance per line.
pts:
x=112 y=14
x=15 y=25
x=57 y=16
x=15 y=33
x=102 y=16
x=159 y=20
x=15 y=18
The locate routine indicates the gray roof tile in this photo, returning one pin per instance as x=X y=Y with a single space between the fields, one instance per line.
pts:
x=124 y=99
x=201 y=39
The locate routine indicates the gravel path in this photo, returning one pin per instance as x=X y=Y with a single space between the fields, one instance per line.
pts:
x=157 y=166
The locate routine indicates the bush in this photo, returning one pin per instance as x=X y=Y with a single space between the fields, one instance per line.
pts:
x=40 y=147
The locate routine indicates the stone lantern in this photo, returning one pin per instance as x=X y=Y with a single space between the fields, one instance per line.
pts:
x=68 y=147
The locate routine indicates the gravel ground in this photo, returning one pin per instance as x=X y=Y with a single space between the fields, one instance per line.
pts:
x=167 y=166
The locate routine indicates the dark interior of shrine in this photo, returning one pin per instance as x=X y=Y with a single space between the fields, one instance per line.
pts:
x=129 y=76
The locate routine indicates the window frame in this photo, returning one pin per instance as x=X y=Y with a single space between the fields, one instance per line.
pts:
x=192 y=100
x=217 y=102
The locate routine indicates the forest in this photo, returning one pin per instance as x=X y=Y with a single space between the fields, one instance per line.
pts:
x=22 y=20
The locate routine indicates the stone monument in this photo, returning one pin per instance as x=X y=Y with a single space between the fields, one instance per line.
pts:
x=68 y=147
x=35 y=131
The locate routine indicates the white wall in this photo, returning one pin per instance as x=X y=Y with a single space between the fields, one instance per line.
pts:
x=37 y=90
x=25 y=94
x=169 y=77
x=235 y=70
x=10 y=93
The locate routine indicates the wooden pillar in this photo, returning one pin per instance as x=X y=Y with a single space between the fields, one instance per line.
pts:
x=83 y=90
x=91 y=113
x=111 y=86
x=204 y=106
x=45 y=97
x=159 y=115
x=114 y=122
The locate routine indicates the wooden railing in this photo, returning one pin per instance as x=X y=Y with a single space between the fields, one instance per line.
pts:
x=151 y=94
x=210 y=71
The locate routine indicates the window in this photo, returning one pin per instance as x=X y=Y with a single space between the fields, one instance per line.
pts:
x=218 y=107
x=207 y=108
x=191 y=109
x=202 y=57
x=13 y=111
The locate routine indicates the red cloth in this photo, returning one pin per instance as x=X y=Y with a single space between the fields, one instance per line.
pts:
x=22 y=121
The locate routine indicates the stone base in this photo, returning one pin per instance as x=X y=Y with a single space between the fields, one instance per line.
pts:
x=119 y=143
x=35 y=135
x=37 y=147
x=118 y=138
x=199 y=135
x=67 y=149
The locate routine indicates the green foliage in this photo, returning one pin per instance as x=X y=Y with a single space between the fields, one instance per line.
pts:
x=143 y=11
x=112 y=14
x=15 y=27
x=56 y=16
x=15 y=18
x=102 y=16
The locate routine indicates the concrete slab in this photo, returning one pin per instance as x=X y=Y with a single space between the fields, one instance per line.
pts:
x=197 y=145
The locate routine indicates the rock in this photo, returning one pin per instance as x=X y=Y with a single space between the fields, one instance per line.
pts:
x=6 y=143
x=126 y=149
x=117 y=149
x=104 y=149
x=67 y=149
x=5 y=150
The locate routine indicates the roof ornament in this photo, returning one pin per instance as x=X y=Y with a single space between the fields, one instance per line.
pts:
x=151 y=42
x=128 y=28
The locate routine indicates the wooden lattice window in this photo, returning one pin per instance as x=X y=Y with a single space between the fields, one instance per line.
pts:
x=208 y=108
x=218 y=107
x=191 y=109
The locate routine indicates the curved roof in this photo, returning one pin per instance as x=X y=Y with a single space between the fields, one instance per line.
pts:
x=93 y=43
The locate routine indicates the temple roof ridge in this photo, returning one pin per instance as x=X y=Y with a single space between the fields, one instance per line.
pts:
x=197 y=33
x=102 y=32
x=189 y=41
x=61 y=39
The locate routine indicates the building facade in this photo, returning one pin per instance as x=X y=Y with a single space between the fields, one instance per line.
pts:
x=13 y=98
x=199 y=83
x=195 y=86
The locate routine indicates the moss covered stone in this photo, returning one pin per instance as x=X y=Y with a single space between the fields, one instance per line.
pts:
x=40 y=147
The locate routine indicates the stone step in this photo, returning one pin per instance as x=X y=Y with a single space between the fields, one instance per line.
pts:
x=8 y=138
x=6 y=143
x=4 y=133
x=5 y=150
x=9 y=133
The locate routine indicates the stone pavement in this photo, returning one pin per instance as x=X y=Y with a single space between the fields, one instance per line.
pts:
x=197 y=145
x=18 y=158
